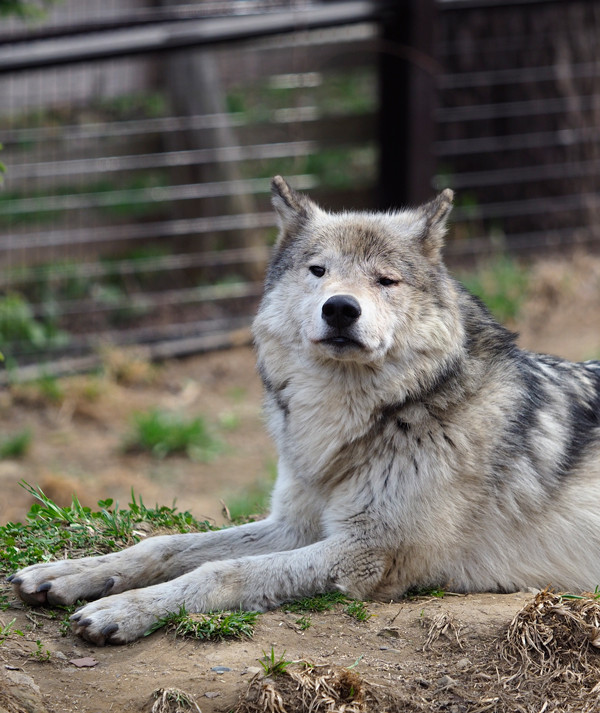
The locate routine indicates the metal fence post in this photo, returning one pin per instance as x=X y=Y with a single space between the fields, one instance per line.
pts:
x=407 y=98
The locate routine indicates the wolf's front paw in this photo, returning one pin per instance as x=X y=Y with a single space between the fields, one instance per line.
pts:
x=64 y=582
x=117 y=619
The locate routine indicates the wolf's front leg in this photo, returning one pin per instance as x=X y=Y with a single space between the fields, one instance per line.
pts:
x=154 y=560
x=251 y=583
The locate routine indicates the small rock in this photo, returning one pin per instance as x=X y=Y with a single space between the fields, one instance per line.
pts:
x=212 y=694
x=60 y=655
x=85 y=662
x=390 y=633
x=253 y=670
x=220 y=669
x=463 y=664
x=445 y=682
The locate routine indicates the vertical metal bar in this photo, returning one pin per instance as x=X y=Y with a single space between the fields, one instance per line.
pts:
x=407 y=86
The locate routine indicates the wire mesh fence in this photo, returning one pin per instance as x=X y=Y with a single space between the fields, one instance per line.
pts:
x=135 y=203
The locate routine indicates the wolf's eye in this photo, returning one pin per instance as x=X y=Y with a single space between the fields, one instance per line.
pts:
x=387 y=281
x=317 y=270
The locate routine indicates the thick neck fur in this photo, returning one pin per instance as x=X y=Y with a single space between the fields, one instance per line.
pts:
x=330 y=404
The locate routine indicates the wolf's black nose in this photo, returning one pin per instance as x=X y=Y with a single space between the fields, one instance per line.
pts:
x=340 y=311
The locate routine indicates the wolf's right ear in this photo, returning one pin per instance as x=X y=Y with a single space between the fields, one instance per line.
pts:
x=436 y=214
x=292 y=208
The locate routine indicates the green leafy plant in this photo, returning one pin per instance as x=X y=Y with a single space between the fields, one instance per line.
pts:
x=273 y=666
x=7 y=630
x=304 y=622
x=357 y=610
x=215 y=626
x=41 y=654
x=162 y=434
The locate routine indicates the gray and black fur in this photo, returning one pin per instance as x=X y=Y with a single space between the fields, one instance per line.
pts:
x=418 y=444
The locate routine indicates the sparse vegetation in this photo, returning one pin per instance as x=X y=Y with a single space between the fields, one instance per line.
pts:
x=357 y=610
x=304 y=622
x=15 y=446
x=272 y=665
x=52 y=531
x=19 y=326
x=318 y=603
x=215 y=626
x=502 y=284
x=163 y=433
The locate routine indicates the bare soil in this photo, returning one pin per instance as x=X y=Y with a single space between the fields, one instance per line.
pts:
x=77 y=447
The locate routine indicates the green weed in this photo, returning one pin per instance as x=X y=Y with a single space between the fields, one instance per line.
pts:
x=318 y=603
x=162 y=434
x=41 y=654
x=7 y=630
x=304 y=622
x=357 y=610
x=274 y=666
x=52 y=531
x=15 y=446
x=425 y=592
x=215 y=626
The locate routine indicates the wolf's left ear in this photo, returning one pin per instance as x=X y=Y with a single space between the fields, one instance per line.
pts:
x=292 y=208
x=436 y=214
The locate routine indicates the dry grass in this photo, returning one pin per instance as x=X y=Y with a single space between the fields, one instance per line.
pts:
x=552 y=653
x=315 y=689
x=173 y=700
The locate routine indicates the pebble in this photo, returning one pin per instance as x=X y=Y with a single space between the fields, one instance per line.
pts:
x=212 y=694
x=220 y=669
x=445 y=682
x=463 y=664
x=390 y=633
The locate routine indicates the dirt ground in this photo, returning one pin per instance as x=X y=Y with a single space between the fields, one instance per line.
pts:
x=77 y=447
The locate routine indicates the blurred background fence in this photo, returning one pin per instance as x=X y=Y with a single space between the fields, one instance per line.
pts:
x=139 y=139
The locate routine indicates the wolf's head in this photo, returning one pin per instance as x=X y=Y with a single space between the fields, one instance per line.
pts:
x=359 y=286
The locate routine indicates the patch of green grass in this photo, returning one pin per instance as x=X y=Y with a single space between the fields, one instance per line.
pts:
x=304 y=622
x=50 y=388
x=318 y=603
x=357 y=610
x=215 y=626
x=326 y=602
x=273 y=666
x=54 y=532
x=163 y=433
x=426 y=592
x=15 y=446
x=7 y=630
x=502 y=285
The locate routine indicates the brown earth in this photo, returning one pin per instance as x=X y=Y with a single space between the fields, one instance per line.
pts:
x=77 y=446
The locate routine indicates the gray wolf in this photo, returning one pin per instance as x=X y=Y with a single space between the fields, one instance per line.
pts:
x=418 y=444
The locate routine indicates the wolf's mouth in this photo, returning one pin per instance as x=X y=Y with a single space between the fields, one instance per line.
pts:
x=341 y=342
